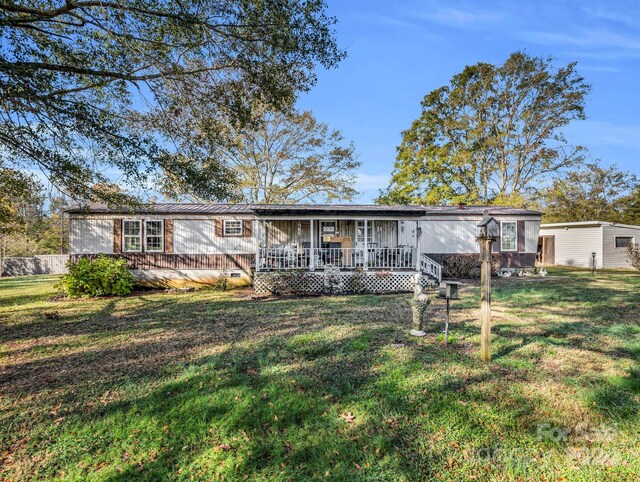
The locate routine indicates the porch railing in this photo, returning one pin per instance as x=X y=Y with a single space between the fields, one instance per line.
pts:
x=430 y=267
x=344 y=258
x=392 y=258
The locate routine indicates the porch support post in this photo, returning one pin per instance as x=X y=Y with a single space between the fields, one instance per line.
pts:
x=417 y=261
x=258 y=243
x=312 y=249
x=366 y=244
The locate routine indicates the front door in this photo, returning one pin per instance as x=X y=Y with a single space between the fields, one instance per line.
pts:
x=359 y=248
x=547 y=250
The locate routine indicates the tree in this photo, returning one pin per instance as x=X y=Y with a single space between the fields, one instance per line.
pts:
x=75 y=74
x=592 y=193
x=490 y=136
x=278 y=158
x=631 y=208
x=633 y=255
x=17 y=189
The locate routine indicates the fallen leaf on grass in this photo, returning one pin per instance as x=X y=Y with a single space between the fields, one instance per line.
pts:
x=348 y=416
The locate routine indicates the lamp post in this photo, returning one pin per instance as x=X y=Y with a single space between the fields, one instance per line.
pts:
x=488 y=235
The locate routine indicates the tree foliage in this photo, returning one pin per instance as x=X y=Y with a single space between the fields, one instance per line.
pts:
x=36 y=223
x=591 y=193
x=633 y=255
x=17 y=189
x=278 y=157
x=491 y=136
x=75 y=75
x=631 y=210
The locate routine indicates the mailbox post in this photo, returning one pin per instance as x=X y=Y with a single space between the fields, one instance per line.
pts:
x=488 y=235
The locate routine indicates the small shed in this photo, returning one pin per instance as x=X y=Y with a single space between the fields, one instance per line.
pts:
x=573 y=244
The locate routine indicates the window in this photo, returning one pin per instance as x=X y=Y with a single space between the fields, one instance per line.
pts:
x=360 y=232
x=328 y=227
x=154 y=237
x=509 y=235
x=132 y=234
x=232 y=227
x=623 y=241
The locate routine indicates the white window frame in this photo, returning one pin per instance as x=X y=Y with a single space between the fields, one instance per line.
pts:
x=515 y=236
x=161 y=236
x=125 y=236
x=615 y=241
x=370 y=232
x=224 y=228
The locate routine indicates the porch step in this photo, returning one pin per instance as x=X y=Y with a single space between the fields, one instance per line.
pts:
x=430 y=268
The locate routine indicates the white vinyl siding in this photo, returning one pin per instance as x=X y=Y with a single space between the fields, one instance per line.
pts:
x=617 y=257
x=91 y=236
x=574 y=245
x=440 y=235
x=531 y=230
x=443 y=236
x=193 y=236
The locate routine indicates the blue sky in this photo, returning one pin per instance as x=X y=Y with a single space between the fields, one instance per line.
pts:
x=398 y=51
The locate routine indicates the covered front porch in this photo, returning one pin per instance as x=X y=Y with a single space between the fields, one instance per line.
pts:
x=346 y=243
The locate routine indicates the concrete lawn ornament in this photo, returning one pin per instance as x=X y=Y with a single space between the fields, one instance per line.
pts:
x=419 y=304
x=333 y=283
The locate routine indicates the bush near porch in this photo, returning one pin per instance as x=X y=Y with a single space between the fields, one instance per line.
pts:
x=205 y=386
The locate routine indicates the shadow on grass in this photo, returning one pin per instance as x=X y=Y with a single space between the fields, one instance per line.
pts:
x=200 y=387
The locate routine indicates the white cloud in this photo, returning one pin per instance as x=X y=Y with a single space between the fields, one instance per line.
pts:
x=604 y=133
x=609 y=15
x=600 y=43
x=456 y=17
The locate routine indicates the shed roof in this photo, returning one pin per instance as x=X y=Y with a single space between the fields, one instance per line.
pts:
x=584 y=224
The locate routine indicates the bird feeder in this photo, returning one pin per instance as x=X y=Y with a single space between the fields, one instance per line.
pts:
x=449 y=290
x=489 y=226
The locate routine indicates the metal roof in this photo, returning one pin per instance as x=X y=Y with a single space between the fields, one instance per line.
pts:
x=302 y=209
x=167 y=208
x=337 y=209
x=479 y=210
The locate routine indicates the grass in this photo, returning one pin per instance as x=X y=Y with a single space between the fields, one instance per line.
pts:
x=206 y=385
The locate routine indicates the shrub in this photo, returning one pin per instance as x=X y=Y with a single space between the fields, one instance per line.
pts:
x=633 y=255
x=288 y=282
x=357 y=283
x=101 y=276
x=466 y=265
x=222 y=283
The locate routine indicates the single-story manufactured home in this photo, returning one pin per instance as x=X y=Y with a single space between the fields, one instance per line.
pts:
x=181 y=243
x=586 y=242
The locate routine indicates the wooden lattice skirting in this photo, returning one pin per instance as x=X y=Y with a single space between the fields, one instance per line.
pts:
x=369 y=282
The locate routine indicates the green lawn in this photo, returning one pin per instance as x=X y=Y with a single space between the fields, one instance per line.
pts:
x=206 y=385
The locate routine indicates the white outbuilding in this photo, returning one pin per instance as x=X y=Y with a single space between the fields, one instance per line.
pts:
x=587 y=242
